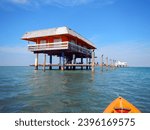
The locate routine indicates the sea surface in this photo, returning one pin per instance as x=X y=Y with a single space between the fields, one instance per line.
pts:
x=22 y=89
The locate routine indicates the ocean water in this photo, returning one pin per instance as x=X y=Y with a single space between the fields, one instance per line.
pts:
x=22 y=89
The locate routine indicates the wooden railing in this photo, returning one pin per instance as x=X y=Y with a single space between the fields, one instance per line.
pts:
x=77 y=48
x=59 y=46
x=48 y=46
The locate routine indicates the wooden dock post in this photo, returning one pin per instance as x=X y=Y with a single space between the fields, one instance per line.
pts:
x=50 y=61
x=93 y=60
x=113 y=63
x=110 y=62
x=44 y=64
x=106 y=61
x=86 y=63
x=101 y=64
x=60 y=63
x=81 y=63
x=89 y=63
x=74 y=61
x=36 y=61
x=63 y=61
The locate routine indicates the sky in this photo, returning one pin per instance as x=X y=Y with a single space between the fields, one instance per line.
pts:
x=120 y=29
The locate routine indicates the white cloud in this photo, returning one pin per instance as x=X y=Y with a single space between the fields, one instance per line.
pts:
x=70 y=2
x=20 y=56
x=14 y=50
x=135 y=53
x=20 y=1
x=15 y=55
x=58 y=3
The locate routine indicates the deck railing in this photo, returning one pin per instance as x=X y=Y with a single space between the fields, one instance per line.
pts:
x=59 y=46
x=77 y=48
x=48 y=46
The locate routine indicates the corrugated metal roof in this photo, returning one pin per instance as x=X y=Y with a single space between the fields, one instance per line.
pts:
x=55 y=31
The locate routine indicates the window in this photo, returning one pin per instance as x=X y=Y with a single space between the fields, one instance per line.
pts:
x=58 y=40
x=42 y=41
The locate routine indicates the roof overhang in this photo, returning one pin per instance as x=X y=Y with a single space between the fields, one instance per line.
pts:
x=54 y=32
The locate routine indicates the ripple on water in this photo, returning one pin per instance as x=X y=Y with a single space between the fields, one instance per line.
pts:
x=24 y=90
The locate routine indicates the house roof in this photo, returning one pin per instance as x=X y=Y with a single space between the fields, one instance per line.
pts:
x=55 y=31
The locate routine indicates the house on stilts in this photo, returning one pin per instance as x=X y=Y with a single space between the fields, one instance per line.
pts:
x=64 y=43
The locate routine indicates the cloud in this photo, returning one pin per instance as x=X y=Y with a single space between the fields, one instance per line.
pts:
x=57 y=3
x=15 y=56
x=20 y=56
x=68 y=2
x=20 y=1
x=13 y=50
x=135 y=53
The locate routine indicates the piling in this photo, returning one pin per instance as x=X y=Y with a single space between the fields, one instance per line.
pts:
x=101 y=62
x=36 y=62
x=93 y=60
x=44 y=64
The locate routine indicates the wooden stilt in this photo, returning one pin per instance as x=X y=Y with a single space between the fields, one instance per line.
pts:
x=74 y=61
x=86 y=63
x=93 y=60
x=36 y=61
x=106 y=61
x=63 y=61
x=60 y=63
x=101 y=63
x=50 y=61
x=89 y=63
x=44 y=64
x=81 y=63
x=110 y=62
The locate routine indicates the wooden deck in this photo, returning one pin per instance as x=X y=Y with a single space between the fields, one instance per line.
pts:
x=76 y=65
x=59 y=46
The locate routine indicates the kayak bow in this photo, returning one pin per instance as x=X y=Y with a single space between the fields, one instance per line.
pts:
x=120 y=105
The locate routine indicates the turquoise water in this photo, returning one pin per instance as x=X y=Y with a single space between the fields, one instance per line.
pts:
x=22 y=89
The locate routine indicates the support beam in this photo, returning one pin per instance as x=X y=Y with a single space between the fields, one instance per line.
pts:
x=89 y=63
x=36 y=61
x=86 y=63
x=93 y=60
x=63 y=60
x=81 y=63
x=106 y=61
x=74 y=61
x=60 y=63
x=114 y=63
x=44 y=64
x=101 y=62
x=110 y=62
x=50 y=61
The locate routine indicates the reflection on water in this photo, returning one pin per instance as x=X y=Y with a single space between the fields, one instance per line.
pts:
x=23 y=89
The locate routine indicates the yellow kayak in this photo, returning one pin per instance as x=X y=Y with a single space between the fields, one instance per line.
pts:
x=120 y=105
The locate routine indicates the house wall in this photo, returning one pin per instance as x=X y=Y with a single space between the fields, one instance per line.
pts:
x=64 y=38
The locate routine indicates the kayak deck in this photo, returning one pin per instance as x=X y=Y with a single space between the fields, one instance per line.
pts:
x=120 y=105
